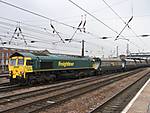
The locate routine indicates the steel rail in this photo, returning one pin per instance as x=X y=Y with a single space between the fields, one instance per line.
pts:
x=118 y=101
x=62 y=97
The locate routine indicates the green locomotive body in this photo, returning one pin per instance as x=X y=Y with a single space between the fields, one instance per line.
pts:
x=46 y=67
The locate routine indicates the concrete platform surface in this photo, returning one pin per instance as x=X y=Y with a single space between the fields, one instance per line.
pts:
x=141 y=102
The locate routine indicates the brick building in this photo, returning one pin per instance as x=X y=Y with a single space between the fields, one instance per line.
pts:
x=4 y=55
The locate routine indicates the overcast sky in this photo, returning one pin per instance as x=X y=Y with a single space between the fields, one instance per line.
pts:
x=64 y=11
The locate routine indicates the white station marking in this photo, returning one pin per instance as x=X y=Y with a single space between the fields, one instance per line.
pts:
x=136 y=96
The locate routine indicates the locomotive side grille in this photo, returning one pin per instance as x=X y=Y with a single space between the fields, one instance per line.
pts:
x=46 y=65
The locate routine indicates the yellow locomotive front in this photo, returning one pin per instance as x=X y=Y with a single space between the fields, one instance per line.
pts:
x=18 y=68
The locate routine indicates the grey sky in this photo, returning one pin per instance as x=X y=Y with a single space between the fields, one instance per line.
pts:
x=64 y=11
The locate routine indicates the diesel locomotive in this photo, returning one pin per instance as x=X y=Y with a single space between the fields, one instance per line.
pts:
x=37 y=67
x=30 y=67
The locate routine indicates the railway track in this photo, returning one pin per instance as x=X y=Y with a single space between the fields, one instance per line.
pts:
x=3 y=75
x=35 y=101
x=6 y=87
x=3 y=80
x=118 y=101
x=4 y=84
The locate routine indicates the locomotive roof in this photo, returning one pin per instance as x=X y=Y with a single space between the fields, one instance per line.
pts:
x=44 y=56
x=23 y=54
x=111 y=59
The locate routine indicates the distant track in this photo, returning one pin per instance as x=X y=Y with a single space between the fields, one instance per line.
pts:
x=118 y=102
x=7 y=87
x=5 y=75
x=4 y=84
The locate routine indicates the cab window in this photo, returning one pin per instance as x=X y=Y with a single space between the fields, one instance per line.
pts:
x=12 y=62
x=29 y=62
x=20 y=61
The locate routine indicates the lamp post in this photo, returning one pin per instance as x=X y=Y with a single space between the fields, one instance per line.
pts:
x=82 y=48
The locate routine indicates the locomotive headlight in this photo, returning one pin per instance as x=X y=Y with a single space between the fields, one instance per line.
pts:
x=93 y=60
x=22 y=72
x=10 y=72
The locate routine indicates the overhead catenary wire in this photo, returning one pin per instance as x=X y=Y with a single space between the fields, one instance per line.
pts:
x=43 y=28
x=121 y=17
x=114 y=11
x=31 y=36
x=47 y=33
x=37 y=31
x=43 y=47
x=33 y=30
x=26 y=10
x=18 y=33
x=25 y=34
x=30 y=39
x=1 y=0
x=97 y=11
x=124 y=28
x=1 y=41
x=77 y=28
x=39 y=16
x=131 y=42
x=30 y=29
x=54 y=30
x=39 y=38
x=119 y=34
x=93 y=16
x=41 y=41
x=34 y=26
x=132 y=29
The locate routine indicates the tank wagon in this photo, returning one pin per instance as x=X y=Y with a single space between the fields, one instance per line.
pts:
x=111 y=65
x=130 y=64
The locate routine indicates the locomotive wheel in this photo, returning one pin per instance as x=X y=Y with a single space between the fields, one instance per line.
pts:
x=12 y=81
x=31 y=82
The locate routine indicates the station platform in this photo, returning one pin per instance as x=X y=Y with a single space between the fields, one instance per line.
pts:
x=141 y=102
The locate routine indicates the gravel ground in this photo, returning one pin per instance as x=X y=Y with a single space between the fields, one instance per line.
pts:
x=28 y=100
x=29 y=89
x=87 y=102
x=2 y=80
x=21 y=90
